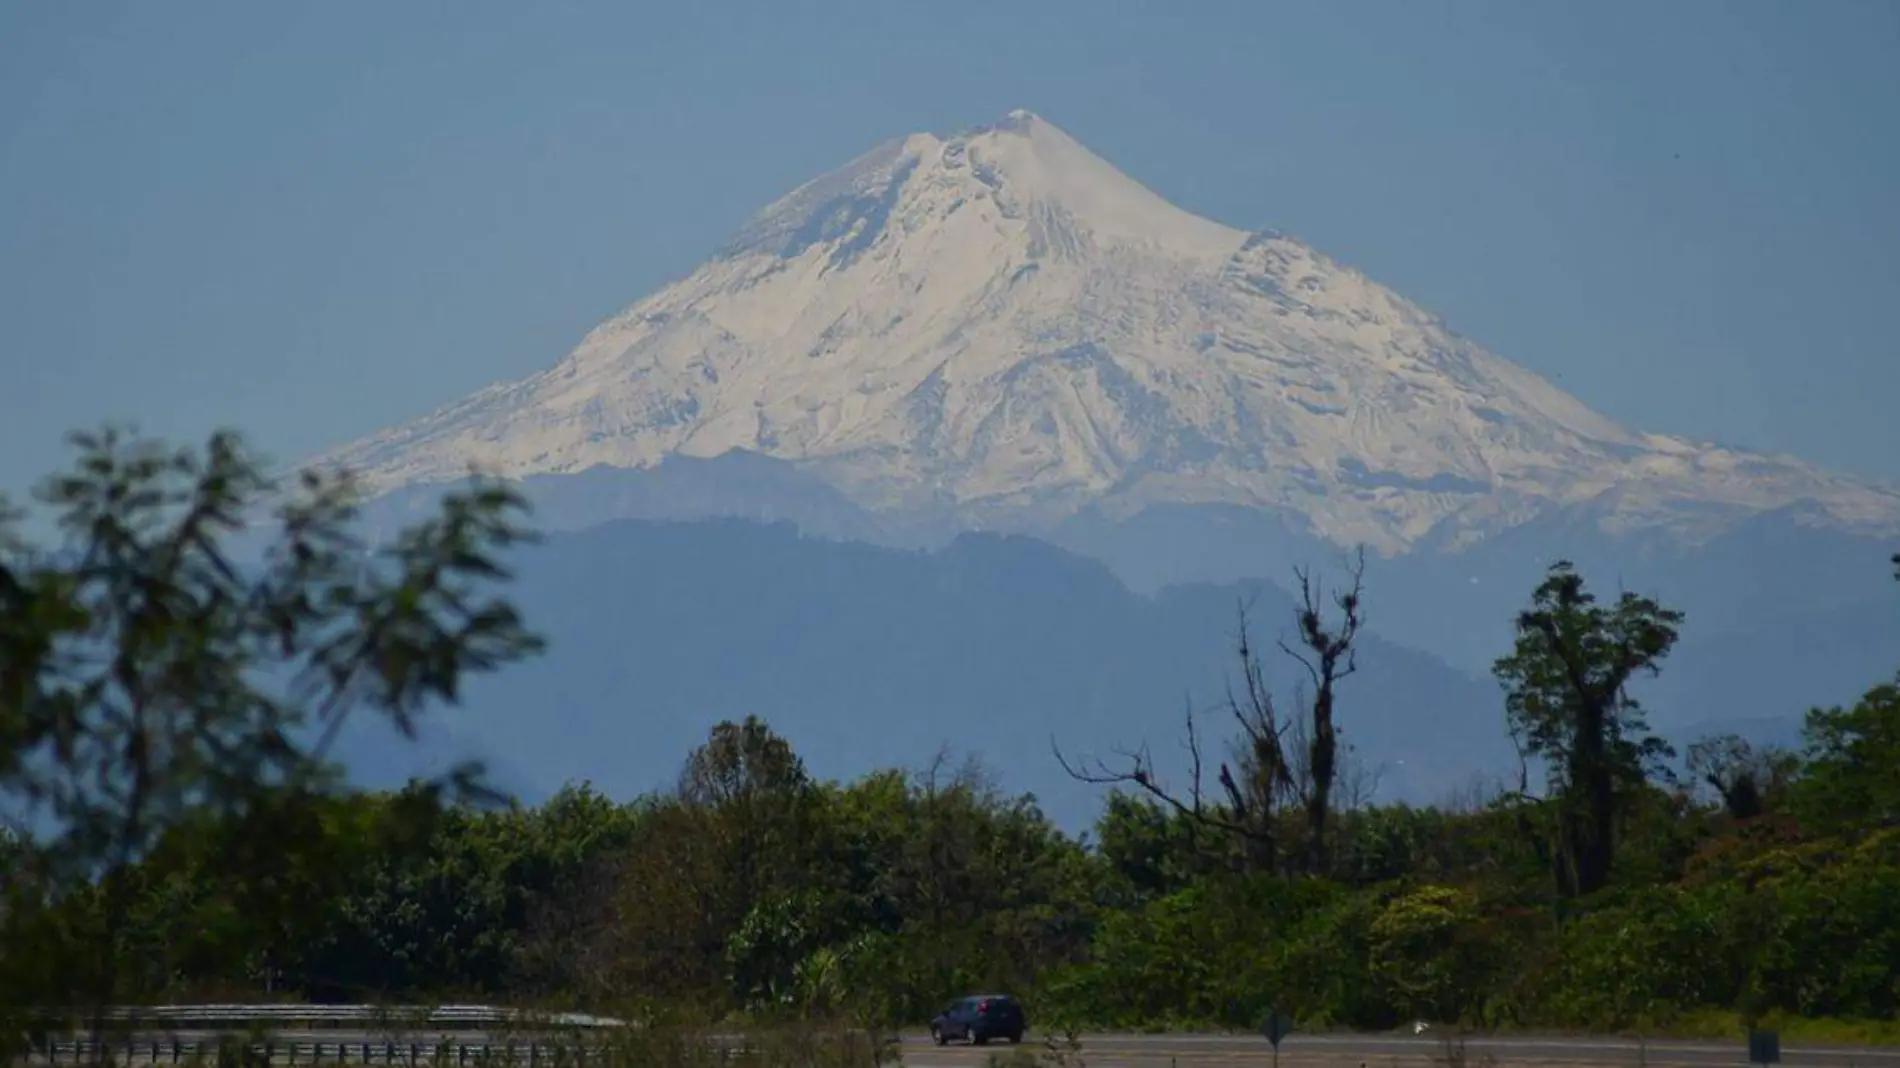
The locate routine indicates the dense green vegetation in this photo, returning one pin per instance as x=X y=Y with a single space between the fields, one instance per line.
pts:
x=171 y=709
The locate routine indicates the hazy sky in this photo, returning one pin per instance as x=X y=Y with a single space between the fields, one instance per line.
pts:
x=314 y=220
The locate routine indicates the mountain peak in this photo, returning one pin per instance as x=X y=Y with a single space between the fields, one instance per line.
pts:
x=1001 y=326
x=1021 y=169
x=1020 y=119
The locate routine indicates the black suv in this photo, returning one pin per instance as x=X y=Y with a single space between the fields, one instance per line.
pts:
x=980 y=1018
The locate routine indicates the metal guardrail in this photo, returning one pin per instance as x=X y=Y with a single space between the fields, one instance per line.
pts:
x=385 y=1054
x=534 y=1039
x=310 y=1017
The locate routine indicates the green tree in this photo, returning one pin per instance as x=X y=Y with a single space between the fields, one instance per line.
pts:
x=1852 y=780
x=150 y=677
x=1568 y=703
x=1637 y=963
x=1418 y=955
x=1151 y=851
x=762 y=807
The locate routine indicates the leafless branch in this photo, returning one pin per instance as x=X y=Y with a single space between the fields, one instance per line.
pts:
x=1136 y=767
x=1358 y=783
x=1266 y=771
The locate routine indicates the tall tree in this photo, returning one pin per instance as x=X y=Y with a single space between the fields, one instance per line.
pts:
x=759 y=804
x=1568 y=703
x=1326 y=650
x=149 y=676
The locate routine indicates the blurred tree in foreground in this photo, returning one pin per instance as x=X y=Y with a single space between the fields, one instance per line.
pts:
x=153 y=684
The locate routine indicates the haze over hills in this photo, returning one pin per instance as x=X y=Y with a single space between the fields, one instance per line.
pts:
x=999 y=331
x=868 y=657
x=993 y=645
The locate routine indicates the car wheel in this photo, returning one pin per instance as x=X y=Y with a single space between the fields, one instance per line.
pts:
x=978 y=1039
x=1015 y=1038
x=936 y=1035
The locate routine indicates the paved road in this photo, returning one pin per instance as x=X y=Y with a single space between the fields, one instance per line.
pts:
x=1352 y=1051
x=1177 y=1051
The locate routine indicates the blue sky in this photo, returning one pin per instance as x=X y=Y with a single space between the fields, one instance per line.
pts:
x=310 y=221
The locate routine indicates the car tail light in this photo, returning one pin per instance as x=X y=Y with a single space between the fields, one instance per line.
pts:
x=982 y=1007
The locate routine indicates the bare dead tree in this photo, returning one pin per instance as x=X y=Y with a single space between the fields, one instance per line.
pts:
x=932 y=774
x=1327 y=650
x=945 y=773
x=1479 y=792
x=1747 y=779
x=1274 y=762
x=1255 y=781
x=1260 y=779
x=1358 y=783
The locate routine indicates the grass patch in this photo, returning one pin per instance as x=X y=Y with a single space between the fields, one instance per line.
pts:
x=1719 y=1025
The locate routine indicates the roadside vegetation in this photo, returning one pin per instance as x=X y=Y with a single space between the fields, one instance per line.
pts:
x=177 y=830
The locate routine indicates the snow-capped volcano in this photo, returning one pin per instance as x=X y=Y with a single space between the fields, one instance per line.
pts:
x=1001 y=326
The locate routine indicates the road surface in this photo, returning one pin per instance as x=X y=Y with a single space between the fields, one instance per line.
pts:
x=353 y=1045
x=1394 y=1051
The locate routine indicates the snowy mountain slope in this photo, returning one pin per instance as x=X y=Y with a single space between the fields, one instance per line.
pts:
x=1001 y=327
